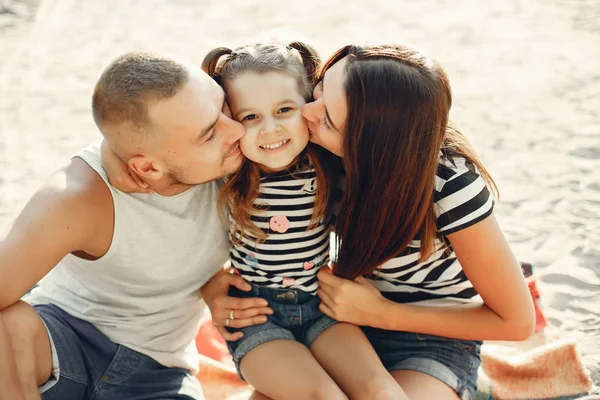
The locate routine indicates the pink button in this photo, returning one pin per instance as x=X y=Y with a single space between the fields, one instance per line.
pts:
x=288 y=281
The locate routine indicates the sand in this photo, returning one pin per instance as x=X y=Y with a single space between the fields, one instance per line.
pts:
x=526 y=81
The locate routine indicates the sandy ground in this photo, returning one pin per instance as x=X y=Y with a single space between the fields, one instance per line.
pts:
x=526 y=79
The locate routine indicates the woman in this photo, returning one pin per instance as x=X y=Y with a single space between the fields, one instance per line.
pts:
x=421 y=262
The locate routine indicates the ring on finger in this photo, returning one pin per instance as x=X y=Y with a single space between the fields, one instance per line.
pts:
x=227 y=322
x=231 y=315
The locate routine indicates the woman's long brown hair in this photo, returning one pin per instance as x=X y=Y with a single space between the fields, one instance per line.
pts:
x=398 y=104
x=241 y=189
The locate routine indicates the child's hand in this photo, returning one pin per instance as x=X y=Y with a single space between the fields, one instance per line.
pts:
x=121 y=176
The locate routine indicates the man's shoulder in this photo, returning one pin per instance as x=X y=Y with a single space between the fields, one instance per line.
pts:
x=78 y=185
x=72 y=211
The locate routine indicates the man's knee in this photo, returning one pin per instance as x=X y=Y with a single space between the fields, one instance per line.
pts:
x=29 y=341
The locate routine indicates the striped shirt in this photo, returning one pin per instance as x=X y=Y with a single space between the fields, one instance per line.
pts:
x=461 y=200
x=291 y=255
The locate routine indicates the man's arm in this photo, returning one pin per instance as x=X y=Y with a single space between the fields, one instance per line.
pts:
x=72 y=212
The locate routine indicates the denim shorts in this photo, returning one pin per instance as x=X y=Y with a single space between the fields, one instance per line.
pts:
x=296 y=316
x=88 y=365
x=454 y=362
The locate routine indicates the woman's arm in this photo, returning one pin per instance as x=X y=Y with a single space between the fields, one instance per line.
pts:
x=488 y=262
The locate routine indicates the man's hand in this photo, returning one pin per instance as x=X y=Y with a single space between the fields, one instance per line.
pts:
x=245 y=312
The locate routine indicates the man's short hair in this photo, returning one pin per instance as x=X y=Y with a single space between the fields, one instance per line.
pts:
x=129 y=82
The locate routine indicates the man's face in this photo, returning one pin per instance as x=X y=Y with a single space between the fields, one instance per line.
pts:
x=196 y=138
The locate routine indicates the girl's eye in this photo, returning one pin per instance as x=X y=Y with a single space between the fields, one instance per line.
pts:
x=324 y=123
x=211 y=137
x=250 y=117
x=283 y=110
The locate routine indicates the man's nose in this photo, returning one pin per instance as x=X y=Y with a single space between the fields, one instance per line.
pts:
x=234 y=130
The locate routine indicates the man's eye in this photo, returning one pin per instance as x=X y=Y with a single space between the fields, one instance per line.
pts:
x=283 y=110
x=250 y=117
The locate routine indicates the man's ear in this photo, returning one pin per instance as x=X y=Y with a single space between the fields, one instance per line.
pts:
x=148 y=168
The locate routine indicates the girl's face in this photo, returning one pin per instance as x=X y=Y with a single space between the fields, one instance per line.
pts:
x=269 y=106
x=327 y=114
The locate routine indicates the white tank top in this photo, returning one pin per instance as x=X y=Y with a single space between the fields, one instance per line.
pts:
x=144 y=293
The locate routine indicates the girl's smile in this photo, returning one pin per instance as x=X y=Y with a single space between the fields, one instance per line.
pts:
x=271 y=147
x=269 y=105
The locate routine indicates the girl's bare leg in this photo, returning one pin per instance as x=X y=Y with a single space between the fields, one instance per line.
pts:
x=348 y=357
x=286 y=370
x=258 y=396
x=420 y=386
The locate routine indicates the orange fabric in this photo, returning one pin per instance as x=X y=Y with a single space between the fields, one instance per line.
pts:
x=210 y=344
x=540 y=319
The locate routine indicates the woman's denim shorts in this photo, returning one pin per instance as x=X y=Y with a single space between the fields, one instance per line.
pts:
x=454 y=362
x=296 y=316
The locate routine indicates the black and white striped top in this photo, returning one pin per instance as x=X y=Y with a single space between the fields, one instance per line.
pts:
x=291 y=255
x=461 y=200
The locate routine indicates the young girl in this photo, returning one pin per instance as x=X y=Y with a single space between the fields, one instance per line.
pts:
x=278 y=207
x=418 y=223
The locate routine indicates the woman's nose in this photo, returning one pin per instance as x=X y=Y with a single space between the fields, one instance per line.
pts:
x=310 y=111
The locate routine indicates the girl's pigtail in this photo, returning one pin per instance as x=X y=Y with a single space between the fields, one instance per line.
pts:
x=310 y=59
x=211 y=61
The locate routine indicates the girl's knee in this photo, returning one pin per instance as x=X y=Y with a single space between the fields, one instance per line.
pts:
x=326 y=390
x=381 y=388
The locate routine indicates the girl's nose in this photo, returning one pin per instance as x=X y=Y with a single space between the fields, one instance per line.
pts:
x=270 y=126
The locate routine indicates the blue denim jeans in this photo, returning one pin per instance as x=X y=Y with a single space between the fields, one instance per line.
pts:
x=88 y=365
x=454 y=362
x=296 y=316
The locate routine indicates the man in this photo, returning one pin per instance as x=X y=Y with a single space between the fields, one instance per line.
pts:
x=117 y=312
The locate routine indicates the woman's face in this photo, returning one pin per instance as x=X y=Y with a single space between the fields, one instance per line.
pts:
x=327 y=114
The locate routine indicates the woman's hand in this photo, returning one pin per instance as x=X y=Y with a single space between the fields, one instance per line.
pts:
x=245 y=312
x=119 y=175
x=357 y=302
